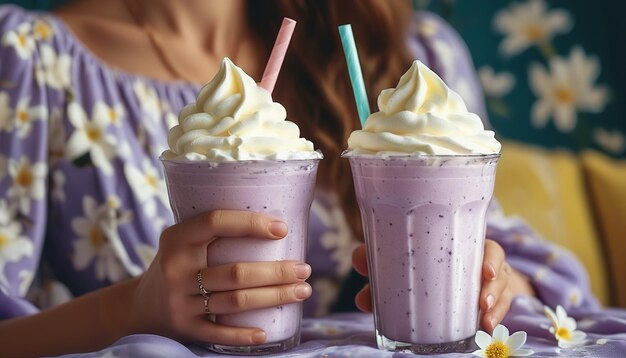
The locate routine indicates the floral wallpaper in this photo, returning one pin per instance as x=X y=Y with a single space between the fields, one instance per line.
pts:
x=552 y=71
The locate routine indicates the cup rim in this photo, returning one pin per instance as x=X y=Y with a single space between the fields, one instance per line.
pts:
x=395 y=155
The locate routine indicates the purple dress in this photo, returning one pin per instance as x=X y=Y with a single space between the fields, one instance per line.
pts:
x=83 y=201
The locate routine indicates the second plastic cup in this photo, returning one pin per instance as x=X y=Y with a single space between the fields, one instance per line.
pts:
x=283 y=189
x=424 y=224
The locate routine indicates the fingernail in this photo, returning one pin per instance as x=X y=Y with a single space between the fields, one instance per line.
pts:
x=303 y=271
x=303 y=291
x=492 y=271
x=490 y=300
x=493 y=322
x=278 y=228
x=258 y=337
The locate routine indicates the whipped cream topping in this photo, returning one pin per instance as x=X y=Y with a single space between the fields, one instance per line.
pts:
x=422 y=116
x=235 y=119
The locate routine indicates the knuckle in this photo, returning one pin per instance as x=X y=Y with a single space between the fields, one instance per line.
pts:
x=239 y=299
x=214 y=218
x=238 y=273
x=283 y=295
x=282 y=272
x=254 y=220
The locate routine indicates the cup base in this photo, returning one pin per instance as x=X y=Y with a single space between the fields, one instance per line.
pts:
x=460 y=346
x=260 y=349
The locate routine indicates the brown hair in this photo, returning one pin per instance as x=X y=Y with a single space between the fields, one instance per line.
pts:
x=314 y=85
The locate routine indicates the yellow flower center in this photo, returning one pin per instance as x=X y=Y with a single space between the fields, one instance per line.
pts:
x=113 y=116
x=497 y=349
x=535 y=33
x=42 y=30
x=21 y=38
x=22 y=116
x=94 y=134
x=24 y=177
x=564 y=333
x=96 y=236
x=3 y=240
x=152 y=181
x=564 y=95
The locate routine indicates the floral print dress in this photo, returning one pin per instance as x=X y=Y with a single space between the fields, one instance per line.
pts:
x=82 y=194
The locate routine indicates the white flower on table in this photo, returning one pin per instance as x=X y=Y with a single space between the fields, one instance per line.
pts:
x=611 y=141
x=24 y=116
x=42 y=30
x=525 y=24
x=13 y=244
x=90 y=136
x=567 y=88
x=114 y=113
x=564 y=328
x=21 y=40
x=495 y=84
x=98 y=232
x=53 y=70
x=28 y=182
x=501 y=345
x=147 y=185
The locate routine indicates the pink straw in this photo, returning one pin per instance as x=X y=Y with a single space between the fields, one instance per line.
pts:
x=278 y=54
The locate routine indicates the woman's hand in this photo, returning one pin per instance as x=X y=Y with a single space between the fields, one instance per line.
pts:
x=167 y=299
x=500 y=283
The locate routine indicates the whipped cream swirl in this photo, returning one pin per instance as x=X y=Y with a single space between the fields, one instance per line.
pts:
x=422 y=116
x=235 y=119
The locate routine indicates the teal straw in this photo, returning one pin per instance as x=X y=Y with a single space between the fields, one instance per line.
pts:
x=354 y=69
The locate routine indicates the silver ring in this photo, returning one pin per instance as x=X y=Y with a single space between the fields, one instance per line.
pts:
x=204 y=292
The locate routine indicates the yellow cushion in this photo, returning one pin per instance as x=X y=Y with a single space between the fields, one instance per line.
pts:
x=546 y=188
x=607 y=184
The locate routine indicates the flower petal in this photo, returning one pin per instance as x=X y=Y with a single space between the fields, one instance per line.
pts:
x=482 y=339
x=501 y=333
x=516 y=340
x=479 y=353
x=522 y=353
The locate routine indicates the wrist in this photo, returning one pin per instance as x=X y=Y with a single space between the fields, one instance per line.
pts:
x=115 y=310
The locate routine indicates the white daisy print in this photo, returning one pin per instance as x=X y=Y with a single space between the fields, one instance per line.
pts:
x=42 y=30
x=529 y=23
x=90 y=136
x=115 y=113
x=21 y=40
x=611 y=141
x=53 y=70
x=564 y=328
x=28 y=182
x=23 y=116
x=97 y=230
x=495 y=84
x=26 y=279
x=501 y=345
x=148 y=100
x=147 y=185
x=14 y=245
x=338 y=238
x=567 y=88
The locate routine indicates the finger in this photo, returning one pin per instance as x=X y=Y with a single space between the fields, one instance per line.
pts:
x=205 y=227
x=204 y=330
x=497 y=313
x=493 y=259
x=363 y=299
x=240 y=275
x=492 y=290
x=253 y=298
x=359 y=260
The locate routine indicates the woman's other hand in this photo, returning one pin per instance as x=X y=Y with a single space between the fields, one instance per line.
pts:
x=500 y=284
x=167 y=299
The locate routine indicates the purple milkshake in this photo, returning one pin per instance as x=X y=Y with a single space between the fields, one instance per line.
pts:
x=283 y=189
x=424 y=170
x=234 y=149
x=424 y=224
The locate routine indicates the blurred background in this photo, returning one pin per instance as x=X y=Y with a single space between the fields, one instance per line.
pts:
x=554 y=78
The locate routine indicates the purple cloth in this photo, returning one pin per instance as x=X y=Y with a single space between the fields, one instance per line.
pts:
x=79 y=173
